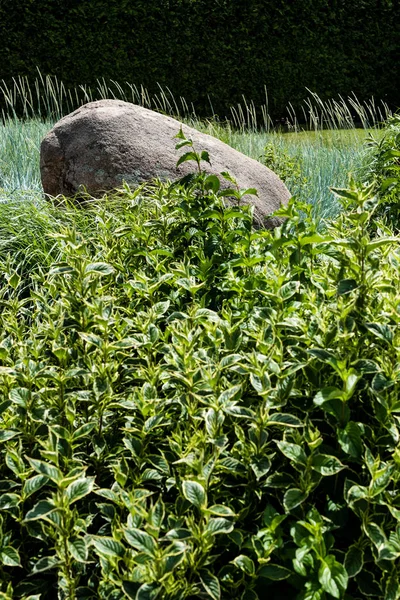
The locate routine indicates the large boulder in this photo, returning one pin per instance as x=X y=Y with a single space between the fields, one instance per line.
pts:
x=109 y=141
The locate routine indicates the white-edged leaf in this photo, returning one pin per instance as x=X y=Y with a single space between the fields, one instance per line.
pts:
x=221 y=510
x=100 y=268
x=8 y=434
x=284 y=419
x=79 y=488
x=293 y=498
x=78 y=548
x=195 y=493
x=353 y=561
x=210 y=584
x=41 y=510
x=326 y=464
x=333 y=576
x=107 y=546
x=44 y=468
x=219 y=525
x=33 y=484
x=141 y=541
x=9 y=556
x=293 y=452
x=245 y=564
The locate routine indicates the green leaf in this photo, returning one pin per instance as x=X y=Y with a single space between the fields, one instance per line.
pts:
x=148 y=591
x=324 y=356
x=20 y=396
x=380 y=331
x=245 y=564
x=289 y=289
x=260 y=466
x=354 y=561
x=293 y=498
x=180 y=135
x=45 y=564
x=365 y=366
x=375 y=534
x=333 y=576
x=8 y=501
x=183 y=144
x=79 y=489
x=249 y=191
x=9 y=557
x=232 y=393
x=130 y=589
x=99 y=268
x=368 y=585
x=8 y=434
x=33 y=484
x=83 y=431
x=284 y=419
x=293 y=452
x=392 y=587
x=210 y=584
x=219 y=525
x=274 y=572
x=107 y=546
x=221 y=510
x=205 y=156
x=141 y=541
x=312 y=591
x=78 y=549
x=61 y=269
x=175 y=557
x=212 y=183
x=349 y=439
x=186 y=157
x=228 y=177
x=380 y=242
x=345 y=193
x=345 y=286
x=380 y=383
x=41 y=510
x=160 y=308
x=327 y=394
x=195 y=493
x=326 y=465
x=51 y=471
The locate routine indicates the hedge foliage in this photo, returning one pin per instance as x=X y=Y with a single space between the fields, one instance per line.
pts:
x=202 y=49
x=194 y=410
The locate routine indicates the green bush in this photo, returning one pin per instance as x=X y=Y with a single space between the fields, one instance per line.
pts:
x=193 y=409
x=210 y=51
x=383 y=160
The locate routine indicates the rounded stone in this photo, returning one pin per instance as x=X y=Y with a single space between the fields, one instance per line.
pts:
x=103 y=143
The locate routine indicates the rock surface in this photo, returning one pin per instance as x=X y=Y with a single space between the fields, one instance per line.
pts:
x=109 y=141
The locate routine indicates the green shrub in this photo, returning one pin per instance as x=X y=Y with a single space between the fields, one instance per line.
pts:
x=193 y=409
x=211 y=53
x=384 y=169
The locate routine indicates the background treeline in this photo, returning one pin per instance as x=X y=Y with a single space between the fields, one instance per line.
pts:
x=210 y=51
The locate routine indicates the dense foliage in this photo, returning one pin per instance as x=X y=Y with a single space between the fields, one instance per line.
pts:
x=208 y=50
x=194 y=409
x=383 y=160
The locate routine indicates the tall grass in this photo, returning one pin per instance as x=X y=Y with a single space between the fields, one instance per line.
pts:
x=47 y=97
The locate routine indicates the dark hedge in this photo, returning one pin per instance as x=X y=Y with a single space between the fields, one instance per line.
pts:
x=219 y=49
